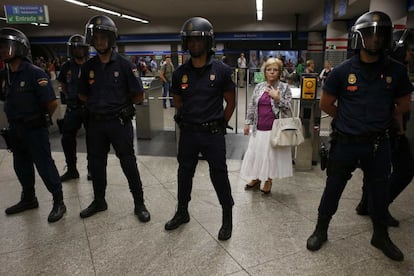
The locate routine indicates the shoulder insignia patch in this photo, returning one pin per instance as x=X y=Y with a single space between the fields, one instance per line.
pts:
x=43 y=81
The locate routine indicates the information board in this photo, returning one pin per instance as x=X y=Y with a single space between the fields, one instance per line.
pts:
x=26 y=14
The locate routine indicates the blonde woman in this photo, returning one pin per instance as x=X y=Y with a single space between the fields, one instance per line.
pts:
x=270 y=99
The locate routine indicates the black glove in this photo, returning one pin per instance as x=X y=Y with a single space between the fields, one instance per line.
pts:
x=324 y=154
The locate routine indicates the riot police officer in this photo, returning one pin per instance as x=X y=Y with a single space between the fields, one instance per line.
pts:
x=109 y=84
x=402 y=159
x=29 y=104
x=369 y=88
x=199 y=87
x=75 y=115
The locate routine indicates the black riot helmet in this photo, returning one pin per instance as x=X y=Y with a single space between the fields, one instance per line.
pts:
x=197 y=27
x=13 y=43
x=103 y=24
x=403 y=42
x=373 y=32
x=75 y=42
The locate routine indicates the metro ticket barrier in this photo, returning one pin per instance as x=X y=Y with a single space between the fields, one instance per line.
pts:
x=149 y=116
x=307 y=153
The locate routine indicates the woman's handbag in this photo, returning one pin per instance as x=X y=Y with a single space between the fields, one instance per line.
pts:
x=286 y=132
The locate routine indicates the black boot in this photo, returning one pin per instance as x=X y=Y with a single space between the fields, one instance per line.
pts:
x=180 y=217
x=227 y=226
x=320 y=235
x=27 y=201
x=140 y=210
x=142 y=213
x=381 y=240
x=97 y=205
x=59 y=208
x=71 y=173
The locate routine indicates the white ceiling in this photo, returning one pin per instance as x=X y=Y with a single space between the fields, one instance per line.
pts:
x=167 y=16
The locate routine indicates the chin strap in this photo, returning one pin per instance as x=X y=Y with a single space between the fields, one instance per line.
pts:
x=373 y=53
x=102 y=52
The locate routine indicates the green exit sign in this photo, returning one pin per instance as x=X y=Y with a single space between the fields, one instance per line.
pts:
x=26 y=14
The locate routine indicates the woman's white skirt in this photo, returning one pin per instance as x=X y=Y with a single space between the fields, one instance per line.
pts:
x=262 y=161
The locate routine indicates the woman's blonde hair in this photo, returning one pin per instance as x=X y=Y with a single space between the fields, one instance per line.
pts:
x=272 y=61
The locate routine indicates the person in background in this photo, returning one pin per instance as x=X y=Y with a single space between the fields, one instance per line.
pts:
x=166 y=72
x=29 y=103
x=299 y=67
x=270 y=100
x=325 y=72
x=154 y=66
x=310 y=66
x=363 y=95
x=253 y=66
x=51 y=69
x=75 y=114
x=224 y=59
x=297 y=73
x=402 y=158
x=242 y=67
x=284 y=74
x=290 y=66
x=110 y=86
x=200 y=86
x=142 y=67
x=253 y=62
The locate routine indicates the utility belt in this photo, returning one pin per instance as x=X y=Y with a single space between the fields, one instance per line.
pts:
x=34 y=121
x=217 y=126
x=366 y=138
x=103 y=117
x=72 y=107
x=125 y=114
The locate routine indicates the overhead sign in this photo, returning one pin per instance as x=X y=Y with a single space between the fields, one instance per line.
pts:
x=26 y=14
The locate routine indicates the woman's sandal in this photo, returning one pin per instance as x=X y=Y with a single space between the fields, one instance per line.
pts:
x=267 y=187
x=255 y=183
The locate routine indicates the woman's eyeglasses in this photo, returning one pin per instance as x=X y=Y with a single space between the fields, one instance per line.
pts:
x=272 y=69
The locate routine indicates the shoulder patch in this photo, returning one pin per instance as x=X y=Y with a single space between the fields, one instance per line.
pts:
x=42 y=81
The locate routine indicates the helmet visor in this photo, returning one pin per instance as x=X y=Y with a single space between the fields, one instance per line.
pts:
x=376 y=38
x=78 y=51
x=7 y=49
x=93 y=35
x=197 y=33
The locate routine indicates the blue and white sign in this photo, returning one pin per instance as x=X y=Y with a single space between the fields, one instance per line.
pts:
x=26 y=14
